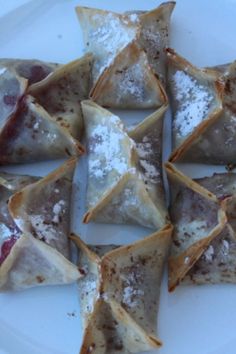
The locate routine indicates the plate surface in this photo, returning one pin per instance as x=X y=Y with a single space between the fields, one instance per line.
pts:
x=193 y=319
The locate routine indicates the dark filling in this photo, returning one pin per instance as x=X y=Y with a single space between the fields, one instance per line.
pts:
x=6 y=248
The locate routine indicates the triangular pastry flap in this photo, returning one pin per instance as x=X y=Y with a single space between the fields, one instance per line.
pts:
x=197 y=219
x=43 y=208
x=148 y=138
x=12 y=88
x=216 y=144
x=31 y=69
x=129 y=82
x=154 y=36
x=196 y=96
x=133 y=274
x=105 y=35
x=109 y=148
x=60 y=93
x=89 y=267
x=9 y=232
x=30 y=135
x=111 y=330
x=223 y=185
x=128 y=203
x=218 y=263
x=31 y=263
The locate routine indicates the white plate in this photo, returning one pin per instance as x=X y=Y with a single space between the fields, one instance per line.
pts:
x=193 y=320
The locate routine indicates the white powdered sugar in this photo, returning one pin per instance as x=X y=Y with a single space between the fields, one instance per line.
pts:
x=134 y=18
x=2 y=71
x=36 y=126
x=132 y=83
x=58 y=209
x=106 y=151
x=111 y=35
x=145 y=153
x=194 y=101
x=130 y=296
x=186 y=260
x=88 y=291
x=43 y=230
x=131 y=291
x=225 y=247
x=209 y=253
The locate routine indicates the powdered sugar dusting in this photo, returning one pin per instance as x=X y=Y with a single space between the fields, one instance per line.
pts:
x=209 y=253
x=131 y=290
x=131 y=82
x=194 y=101
x=111 y=35
x=105 y=148
x=2 y=71
x=43 y=230
x=145 y=153
x=58 y=210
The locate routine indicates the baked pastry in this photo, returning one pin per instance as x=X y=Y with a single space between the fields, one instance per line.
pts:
x=31 y=69
x=204 y=242
x=129 y=82
x=112 y=37
x=43 y=120
x=124 y=171
x=35 y=224
x=203 y=103
x=119 y=294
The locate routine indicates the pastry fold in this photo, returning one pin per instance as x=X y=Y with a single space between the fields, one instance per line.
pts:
x=119 y=293
x=42 y=119
x=129 y=82
x=129 y=52
x=124 y=169
x=203 y=106
x=34 y=229
x=203 y=215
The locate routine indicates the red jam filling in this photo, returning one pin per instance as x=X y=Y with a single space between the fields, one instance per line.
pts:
x=6 y=248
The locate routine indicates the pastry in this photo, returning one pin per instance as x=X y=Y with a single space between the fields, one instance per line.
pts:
x=43 y=120
x=119 y=43
x=124 y=173
x=34 y=224
x=119 y=294
x=203 y=103
x=204 y=242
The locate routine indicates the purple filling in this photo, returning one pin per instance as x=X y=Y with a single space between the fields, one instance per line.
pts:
x=6 y=248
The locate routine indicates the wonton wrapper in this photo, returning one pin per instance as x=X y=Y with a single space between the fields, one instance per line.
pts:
x=203 y=104
x=47 y=125
x=120 y=184
x=34 y=228
x=204 y=241
x=119 y=294
x=31 y=69
x=129 y=82
x=60 y=93
x=111 y=38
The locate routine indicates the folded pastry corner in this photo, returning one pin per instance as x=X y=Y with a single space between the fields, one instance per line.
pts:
x=154 y=36
x=119 y=293
x=204 y=242
x=31 y=135
x=129 y=82
x=34 y=225
x=31 y=69
x=120 y=182
x=196 y=100
x=61 y=93
x=121 y=67
x=105 y=34
x=42 y=119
